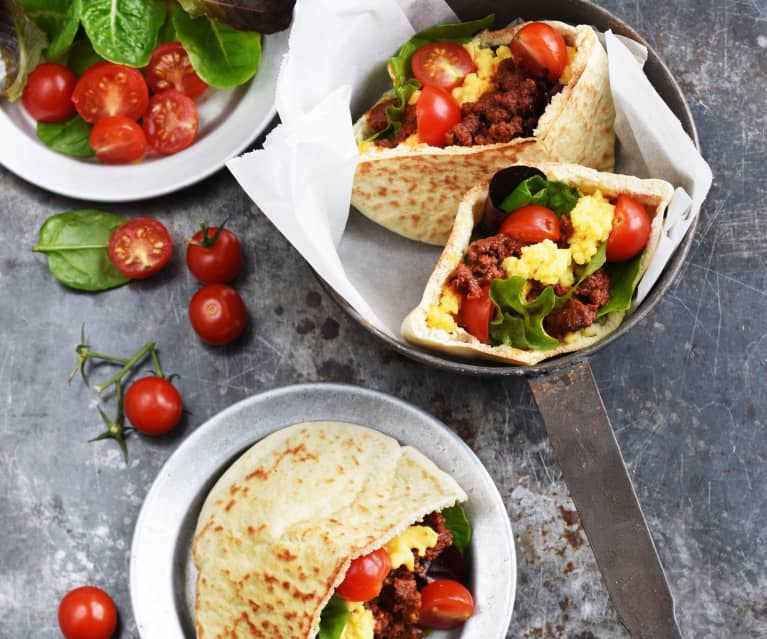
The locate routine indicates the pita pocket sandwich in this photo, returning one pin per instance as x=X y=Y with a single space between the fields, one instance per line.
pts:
x=422 y=148
x=281 y=532
x=542 y=260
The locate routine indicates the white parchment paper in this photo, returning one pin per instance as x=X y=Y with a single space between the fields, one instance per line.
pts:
x=302 y=178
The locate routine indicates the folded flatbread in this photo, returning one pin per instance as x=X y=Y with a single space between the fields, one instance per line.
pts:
x=653 y=194
x=415 y=191
x=279 y=529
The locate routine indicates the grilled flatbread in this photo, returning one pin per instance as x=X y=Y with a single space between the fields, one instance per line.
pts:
x=653 y=194
x=415 y=191
x=279 y=529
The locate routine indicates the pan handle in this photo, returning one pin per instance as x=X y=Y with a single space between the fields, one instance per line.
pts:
x=596 y=475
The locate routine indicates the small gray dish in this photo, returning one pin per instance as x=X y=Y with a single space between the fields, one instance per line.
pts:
x=162 y=574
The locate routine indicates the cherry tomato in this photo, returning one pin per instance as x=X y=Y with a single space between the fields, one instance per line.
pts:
x=441 y=64
x=475 y=315
x=532 y=223
x=541 y=49
x=445 y=604
x=217 y=259
x=47 y=95
x=87 y=613
x=140 y=247
x=171 y=122
x=110 y=89
x=218 y=314
x=365 y=577
x=630 y=232
x=170 y=68
x=118 y=140
x=436 y=113
x=153 y=405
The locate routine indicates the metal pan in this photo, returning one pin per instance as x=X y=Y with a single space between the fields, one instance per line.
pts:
x=601 y=489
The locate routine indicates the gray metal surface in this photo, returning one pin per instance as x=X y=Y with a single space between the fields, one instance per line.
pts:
x=162 y=574
x=598 y=481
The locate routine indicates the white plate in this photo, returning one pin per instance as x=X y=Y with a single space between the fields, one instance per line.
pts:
x=162 y=573
x=230 y=119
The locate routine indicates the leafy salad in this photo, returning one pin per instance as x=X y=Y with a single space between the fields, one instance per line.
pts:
x=54 y=55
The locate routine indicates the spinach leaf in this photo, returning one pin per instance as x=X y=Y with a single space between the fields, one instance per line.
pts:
x=81 y=56
x=222 y=56
x=333 y=618
x=76 y=245
x=623 y=280
x=399 y=65
x=70 y=138
x=59 y=19
x=557 y=196
x=123 y=31
x=458 y=525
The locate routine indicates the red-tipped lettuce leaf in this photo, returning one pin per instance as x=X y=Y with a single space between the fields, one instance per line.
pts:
x=265 y=16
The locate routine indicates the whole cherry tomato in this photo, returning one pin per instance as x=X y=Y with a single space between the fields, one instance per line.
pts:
x=171 y=122
x=153 y=405
x=140 y=247
x=445 y=604
x=214 y=255
x=630 y=232
x=47 y=95
x=87 y=613
x=110 y=89
x=436 y=113
x=170 y=68
x=532 y=223
x=441 y=64
x=218 y=314
x=118 y=140
x=541 y=49
x=365 y=577
x=476 y=313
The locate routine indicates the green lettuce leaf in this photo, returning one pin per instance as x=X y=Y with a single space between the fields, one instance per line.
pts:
x=21 y=47
x=60 y=20
x=624 y=277
x=402 y=75
x=81 y=56
x=458 y=524
x=557 y=196
x=333 y=618
x=70 y=138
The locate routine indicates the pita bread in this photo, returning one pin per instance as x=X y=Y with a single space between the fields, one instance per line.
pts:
x=654 y=194
x=279 y=529
x=415 y=191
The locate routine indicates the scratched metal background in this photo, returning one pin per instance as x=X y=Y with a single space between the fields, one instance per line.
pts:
x=686 y=390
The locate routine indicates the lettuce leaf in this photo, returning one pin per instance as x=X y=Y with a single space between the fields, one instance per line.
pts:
x=458 y=524
x=624 y=277
x=333 y=619
x=557 y=196
x=399 y=65
x=21 y=47
x=60 y=20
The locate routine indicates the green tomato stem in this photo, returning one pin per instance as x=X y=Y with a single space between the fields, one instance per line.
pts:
x=147 y=348
x=156 y=360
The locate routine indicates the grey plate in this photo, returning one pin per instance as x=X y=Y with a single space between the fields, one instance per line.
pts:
x=161 y=570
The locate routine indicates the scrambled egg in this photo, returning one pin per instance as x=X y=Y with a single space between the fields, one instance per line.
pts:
x=544 y=262
x=480 y=81
x=442 y=315
x=418 y=538
x=567 y=74
x=592 y=220
x=360 y=624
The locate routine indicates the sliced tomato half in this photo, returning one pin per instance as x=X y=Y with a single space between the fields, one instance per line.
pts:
x=171 y=122
x=441 y=64
x=170 y=68
x=140 y=247
x=110 y=89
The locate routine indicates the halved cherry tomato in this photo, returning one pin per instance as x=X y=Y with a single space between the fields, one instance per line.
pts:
x=436 y=113
x=153 y=405
x=365 y=577
x=171 y=122
x=441 y=64
x=118 y=140
x=47 y=95
x=541 y=49
x=217 y=262
x=475 y=315
x=110 y=89
x=445 y=604
x=170 y=68
x=630 y=232
x=532 y=223
x=87 y=613
x=217 y=314
x=140 y=247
